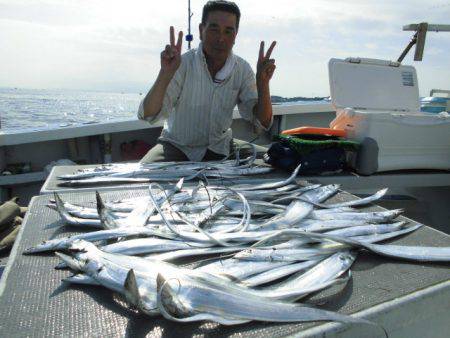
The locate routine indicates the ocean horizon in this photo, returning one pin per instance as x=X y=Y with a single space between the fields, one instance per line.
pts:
x=44 y=109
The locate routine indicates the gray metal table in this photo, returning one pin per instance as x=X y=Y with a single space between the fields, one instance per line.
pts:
x=393 y=179
x=408 y=299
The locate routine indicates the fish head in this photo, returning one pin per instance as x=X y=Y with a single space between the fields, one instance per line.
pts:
x=243 y=254
x=140 y=297
x=347 y=257
x=80 y=246
x=71 y=262
x=44 y=246
x=167 y=291
x=93 y=267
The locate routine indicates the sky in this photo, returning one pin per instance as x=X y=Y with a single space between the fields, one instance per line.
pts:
x=115 y=45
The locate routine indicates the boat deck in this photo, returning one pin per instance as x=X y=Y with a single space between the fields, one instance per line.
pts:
x=400 y=296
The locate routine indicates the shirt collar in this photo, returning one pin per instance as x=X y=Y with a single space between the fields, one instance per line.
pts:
x=227 y=68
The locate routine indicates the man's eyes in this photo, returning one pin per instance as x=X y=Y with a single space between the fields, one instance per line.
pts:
x=217 y=30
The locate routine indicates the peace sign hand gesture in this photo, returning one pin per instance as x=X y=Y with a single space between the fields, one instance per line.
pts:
x=266 y=66
x=171 y=55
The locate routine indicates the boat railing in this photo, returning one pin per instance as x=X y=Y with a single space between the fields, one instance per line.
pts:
x=446 y=93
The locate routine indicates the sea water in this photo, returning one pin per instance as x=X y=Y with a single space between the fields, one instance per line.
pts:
x=35 y=109
x=42 y=109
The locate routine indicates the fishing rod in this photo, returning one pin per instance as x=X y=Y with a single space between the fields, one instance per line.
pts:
x=189 y=36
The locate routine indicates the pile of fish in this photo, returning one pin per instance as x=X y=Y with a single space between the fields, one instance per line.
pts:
x=163 y=172
x=254 y=250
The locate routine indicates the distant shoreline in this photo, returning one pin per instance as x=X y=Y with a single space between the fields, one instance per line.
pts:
x=275 y=98
x=281 y=99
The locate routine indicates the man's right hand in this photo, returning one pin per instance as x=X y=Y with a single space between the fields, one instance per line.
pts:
x=171 y=55
x=170 y=61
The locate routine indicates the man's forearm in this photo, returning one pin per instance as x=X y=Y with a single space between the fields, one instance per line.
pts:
x=153 y=101
x=264 y=106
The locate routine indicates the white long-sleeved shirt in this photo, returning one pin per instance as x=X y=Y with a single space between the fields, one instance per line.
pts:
x=199 y=111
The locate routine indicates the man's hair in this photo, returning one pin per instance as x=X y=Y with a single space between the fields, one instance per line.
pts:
x=221 y=5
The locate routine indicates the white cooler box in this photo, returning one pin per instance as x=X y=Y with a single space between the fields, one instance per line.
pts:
x=377 y=104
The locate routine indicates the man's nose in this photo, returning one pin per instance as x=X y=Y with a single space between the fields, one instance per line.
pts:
x=221 y=37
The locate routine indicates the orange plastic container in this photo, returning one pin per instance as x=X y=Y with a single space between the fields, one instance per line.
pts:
x=315 y=130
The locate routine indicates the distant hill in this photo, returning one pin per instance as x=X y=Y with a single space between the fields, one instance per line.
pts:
x=280 y=99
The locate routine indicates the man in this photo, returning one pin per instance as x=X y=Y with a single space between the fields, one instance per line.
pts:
x=197 y=91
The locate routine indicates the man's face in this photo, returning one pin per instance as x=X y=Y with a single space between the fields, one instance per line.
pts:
x=218 y=34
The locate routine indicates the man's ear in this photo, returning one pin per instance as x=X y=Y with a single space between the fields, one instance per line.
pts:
x=200 y=29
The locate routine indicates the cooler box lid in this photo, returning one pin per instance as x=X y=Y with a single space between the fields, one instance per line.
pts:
x=370 y=84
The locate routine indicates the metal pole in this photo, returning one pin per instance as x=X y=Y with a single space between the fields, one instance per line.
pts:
x=419 y=38
x=411 y=43
x=189 y=36
x=189 y=22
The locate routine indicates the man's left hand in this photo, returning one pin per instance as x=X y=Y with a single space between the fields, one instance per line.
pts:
x=266 y=66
